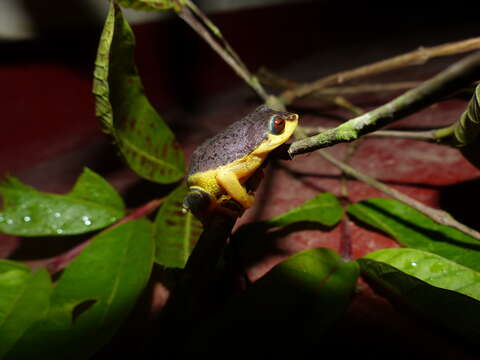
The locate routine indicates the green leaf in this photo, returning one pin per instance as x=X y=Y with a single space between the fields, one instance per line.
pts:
x=24 y=299
x=91 y=205
x=93 y=296
x=145 y=141
x=413 y=229
x=467 y=130
x=433 y=269
x=175 y=233
x=324 y=209
x=443 y=291
x=151 y=5
x=294 y=304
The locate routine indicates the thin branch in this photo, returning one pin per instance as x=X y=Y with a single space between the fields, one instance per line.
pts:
x=422 y=135
x=61 y=261
x=226 y=53
x=453 y=78
x=439 y=216
x=269 y=78
x=416 y=57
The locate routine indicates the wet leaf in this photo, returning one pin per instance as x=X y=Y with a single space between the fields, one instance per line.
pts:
x=439 y=289
x=413 y=229
x=24 y=299
x=175 y=233
x=294 y=305
x=150 y=5
x=93 y=296
x=467 y=130
x=145 y=141
x=91 y=205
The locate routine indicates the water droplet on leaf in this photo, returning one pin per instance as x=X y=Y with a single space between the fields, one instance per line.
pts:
x=59 y=231
x=9 y=221
x=57 y=214
x=86 y=220
x=27 y=218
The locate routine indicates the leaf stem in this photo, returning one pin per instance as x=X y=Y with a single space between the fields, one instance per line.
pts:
x=453 y=78
x=419 y=56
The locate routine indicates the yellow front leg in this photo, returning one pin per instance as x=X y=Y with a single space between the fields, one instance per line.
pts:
x=229 y=181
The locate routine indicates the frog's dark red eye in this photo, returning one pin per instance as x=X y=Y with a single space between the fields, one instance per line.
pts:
x=277 y=125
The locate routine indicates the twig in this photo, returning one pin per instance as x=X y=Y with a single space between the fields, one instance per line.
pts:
x=61 y=261
x=416 y=57
x=269 y=78
x=453 y=78
x=423 y=135
x=439 y=216
x=221 y=48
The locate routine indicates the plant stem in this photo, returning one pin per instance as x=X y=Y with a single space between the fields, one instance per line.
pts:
x=416 y=57
x=439 y=216
x=61 y=261
x=453 y=78
x=269 y=78
x=424 y=135
x=187 y=13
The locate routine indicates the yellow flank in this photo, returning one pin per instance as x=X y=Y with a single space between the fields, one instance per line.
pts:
x=230 y=178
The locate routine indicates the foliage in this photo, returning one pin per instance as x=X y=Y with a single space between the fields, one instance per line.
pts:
x=297 y=302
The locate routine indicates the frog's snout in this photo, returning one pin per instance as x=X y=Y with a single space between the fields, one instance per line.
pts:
x=196 y=201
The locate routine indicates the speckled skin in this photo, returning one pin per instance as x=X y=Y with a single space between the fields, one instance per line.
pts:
x=236 y=141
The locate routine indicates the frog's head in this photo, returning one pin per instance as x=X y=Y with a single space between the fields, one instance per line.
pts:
x=277 y=127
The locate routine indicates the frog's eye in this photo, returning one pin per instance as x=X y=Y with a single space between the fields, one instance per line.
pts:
x=277 y=124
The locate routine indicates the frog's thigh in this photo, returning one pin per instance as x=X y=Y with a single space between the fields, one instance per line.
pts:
x=228 y=179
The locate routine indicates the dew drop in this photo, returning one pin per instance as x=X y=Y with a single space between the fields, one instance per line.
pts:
x=2 y=218
x=59 y=231
x=9 y=221
x=413 y=263
x=86 y=220
x=27 y=218
x=57 y=214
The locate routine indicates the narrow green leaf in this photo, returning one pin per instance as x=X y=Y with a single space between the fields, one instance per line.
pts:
x=93 y=296
x=413 y=229
x=294 y=305
x=150 y=5
x=467 y=130
x=91 y=205
x=145 y=141
x=444 y=292
x=24 y=299
x=324 y=209
x=175 y=233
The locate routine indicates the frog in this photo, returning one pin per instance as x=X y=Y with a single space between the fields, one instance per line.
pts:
x=222 y=167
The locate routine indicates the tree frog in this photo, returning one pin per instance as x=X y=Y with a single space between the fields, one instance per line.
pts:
x=221 y=167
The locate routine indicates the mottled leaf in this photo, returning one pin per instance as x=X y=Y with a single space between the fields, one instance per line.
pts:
x=441 y=290
x=93 y=296
x=175 y=233
x=413 y=229
x=24 y=299
x=145 y=141
x=294 y=305
x=151 y=5
x=91 y=205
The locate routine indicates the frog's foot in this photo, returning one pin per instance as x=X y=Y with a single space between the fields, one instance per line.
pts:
x=229 y=181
